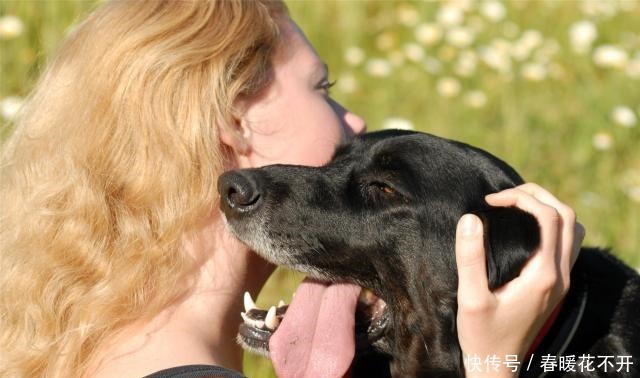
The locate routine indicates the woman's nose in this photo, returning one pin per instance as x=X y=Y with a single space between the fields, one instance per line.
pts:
x=355 y=123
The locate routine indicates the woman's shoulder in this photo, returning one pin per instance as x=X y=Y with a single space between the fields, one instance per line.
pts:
x=196 y=371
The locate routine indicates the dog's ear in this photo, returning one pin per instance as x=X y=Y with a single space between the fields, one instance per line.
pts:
x=510 y=236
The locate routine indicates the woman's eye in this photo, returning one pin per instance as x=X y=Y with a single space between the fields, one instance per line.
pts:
x=326 y=85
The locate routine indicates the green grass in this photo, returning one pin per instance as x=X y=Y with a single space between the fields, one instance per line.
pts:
x=545 y=129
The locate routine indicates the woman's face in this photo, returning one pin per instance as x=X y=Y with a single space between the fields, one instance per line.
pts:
x=295 y=121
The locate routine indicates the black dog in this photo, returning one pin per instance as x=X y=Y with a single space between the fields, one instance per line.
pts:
x=383 y=213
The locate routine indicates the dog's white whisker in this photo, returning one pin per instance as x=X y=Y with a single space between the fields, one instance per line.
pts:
x=271 y=321
x=249 y=304
x=252 y=349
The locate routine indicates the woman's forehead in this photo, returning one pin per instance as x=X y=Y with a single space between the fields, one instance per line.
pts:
x=293 y=43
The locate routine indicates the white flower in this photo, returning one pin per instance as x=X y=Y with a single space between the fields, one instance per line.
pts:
x=623 y=116
x=628 y=5
x=449 y=15
x=10 y=27
x=497 y=56
x=448 y=87
x=466 y=64
x=528 y=41
x=475 y=99
x=378 y=67
x=347 y=83
x=520 y=51
x=354 y=55
x=10 y=106
x=502 y=45
x=534 y=71
x=413 y=52
x=397 y=123
x=602 y=141
x=493 y=10
x=463 y=5
x=609 y=56
x=581 y=35
x=428 y=34
x=634 y=194
x=531 y=38
x=460 y=37
x=407 y=15
x=598 y=8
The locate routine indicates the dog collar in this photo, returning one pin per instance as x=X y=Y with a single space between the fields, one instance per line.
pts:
x=559 y=330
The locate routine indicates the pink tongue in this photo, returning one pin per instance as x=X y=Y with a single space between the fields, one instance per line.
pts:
x=316 y=337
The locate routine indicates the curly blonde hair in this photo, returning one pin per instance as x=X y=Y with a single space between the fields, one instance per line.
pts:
x=114 y=160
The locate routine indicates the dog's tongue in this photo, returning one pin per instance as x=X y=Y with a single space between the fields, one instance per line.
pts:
x=316 y=337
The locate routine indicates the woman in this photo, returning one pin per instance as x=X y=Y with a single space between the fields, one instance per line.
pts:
x=115 y=261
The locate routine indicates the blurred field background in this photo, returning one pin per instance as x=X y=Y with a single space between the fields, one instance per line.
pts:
x=552 y=87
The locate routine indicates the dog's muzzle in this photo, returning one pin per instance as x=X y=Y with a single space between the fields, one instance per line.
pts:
x=239 y=193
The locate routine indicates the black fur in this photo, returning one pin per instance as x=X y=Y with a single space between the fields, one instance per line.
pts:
x=383 y=214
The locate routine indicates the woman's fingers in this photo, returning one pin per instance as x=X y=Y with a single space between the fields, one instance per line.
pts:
x=572 y=233
x=548 y=219
x=473 y=286
x=564 y=248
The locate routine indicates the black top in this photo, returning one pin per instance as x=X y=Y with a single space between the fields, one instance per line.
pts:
x=196 y=371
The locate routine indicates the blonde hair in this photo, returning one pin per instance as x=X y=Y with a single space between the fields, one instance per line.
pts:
x=114 y=160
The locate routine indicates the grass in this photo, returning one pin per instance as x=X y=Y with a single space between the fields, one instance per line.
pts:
x=545 y=128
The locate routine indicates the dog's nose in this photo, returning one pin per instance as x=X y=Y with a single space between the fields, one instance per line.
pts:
x=239 y=192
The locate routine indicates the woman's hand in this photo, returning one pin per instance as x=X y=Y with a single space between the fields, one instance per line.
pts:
x=507 y=320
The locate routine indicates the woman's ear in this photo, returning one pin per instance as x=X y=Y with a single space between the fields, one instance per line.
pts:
x=237 y=136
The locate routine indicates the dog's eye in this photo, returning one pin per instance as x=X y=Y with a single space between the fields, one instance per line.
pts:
x=382 y=187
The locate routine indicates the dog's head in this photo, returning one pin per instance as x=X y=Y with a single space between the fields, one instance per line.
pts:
x=382 y=214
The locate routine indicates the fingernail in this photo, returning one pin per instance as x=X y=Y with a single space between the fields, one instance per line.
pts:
x=469 y=224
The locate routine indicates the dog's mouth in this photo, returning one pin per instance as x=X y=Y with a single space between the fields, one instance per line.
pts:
x=259 y=325
x=327 y=322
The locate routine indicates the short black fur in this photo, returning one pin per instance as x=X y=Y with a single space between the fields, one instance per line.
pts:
x=383 y=214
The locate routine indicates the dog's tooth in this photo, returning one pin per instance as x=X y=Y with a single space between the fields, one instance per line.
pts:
x=244 y=317
x=270 y=320
x=281 y=303
x=248 y=302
